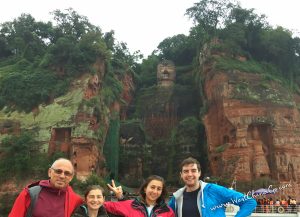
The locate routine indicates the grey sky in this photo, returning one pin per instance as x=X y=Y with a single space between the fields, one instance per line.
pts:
x=143 y=24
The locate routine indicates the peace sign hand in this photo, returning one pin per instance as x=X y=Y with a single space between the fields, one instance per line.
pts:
x=117 y=190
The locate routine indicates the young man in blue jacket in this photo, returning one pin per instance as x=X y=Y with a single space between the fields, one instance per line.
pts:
x=200 y=199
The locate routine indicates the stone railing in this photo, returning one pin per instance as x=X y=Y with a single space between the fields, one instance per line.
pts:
x=277 y=209
x=267 y=211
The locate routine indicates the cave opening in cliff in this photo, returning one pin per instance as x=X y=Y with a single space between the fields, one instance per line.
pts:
x=62 y=134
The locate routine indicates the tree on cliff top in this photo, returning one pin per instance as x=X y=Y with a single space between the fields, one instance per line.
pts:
x=210 y=14
x=46 y=57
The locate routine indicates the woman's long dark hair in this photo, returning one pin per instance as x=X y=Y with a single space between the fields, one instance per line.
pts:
x=146 y=183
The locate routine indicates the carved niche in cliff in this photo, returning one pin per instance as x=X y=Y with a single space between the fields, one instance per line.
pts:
x=60 y=140
x=259 y=140
x=86 y=158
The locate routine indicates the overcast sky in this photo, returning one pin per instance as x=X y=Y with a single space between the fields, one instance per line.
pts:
x=143 y=24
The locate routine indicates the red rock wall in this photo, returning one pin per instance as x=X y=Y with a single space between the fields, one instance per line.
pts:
x=127 y=94
x=250 y=140
x=60 y=140
x=86 y=158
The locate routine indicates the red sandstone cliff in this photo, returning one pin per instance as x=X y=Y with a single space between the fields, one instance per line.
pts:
x=252 y=126
x=76 y=123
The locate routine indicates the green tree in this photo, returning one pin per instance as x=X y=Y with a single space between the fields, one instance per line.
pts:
x=21 y=157
x=122 y=57
x=199 y=37
x=110 y=40
x=44 y=58
x=180 y=48
x=234 y=38
x=244 y=28
x=26 y=37
x=147 y=77
x=93 y=45
x=4 y=48
x=278 y=47
x=210 y=14
x=62 y=55
x=71 y=25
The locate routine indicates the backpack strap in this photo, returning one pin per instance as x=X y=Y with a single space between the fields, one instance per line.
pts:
x=34 y=193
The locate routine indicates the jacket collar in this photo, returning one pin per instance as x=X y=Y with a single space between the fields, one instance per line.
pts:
x=178 y=194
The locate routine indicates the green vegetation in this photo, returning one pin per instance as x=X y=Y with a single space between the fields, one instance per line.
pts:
x=241 y=32
x=112 y=89
x=221 y=148
x=39 y=60
x=21 y=158
x=81 y=186
x=111 y=147
x=152 y=100
x=251 y=66
x=179 y=48
x=262 y=92
x=6 y=202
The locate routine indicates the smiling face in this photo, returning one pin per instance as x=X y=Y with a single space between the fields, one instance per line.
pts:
x=94 y=199
x=61 y=173
x=190 y=176
x=153 y=191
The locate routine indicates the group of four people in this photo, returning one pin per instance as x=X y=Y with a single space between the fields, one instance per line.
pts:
x=55 y=198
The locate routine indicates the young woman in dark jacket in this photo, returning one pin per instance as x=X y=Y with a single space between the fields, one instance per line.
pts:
x=150 y=203
x=94 y=199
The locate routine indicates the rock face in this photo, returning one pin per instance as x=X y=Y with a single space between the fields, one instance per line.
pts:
x=127 y=94
x=252 y=126
x=75 y=123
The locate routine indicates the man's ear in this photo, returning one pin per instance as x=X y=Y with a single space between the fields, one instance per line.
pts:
x=180 y=174
x=49 y=172
x=180 y=179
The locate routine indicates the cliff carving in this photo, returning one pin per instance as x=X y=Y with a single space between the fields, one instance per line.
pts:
x=252 y=125
x=74 y=123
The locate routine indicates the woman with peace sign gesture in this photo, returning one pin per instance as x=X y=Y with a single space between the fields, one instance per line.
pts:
x=118 y=191
x=149 y=203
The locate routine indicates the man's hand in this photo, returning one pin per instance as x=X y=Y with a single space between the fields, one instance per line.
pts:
x=117 y=190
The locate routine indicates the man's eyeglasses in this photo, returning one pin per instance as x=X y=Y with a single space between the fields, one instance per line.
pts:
x=59 y=172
